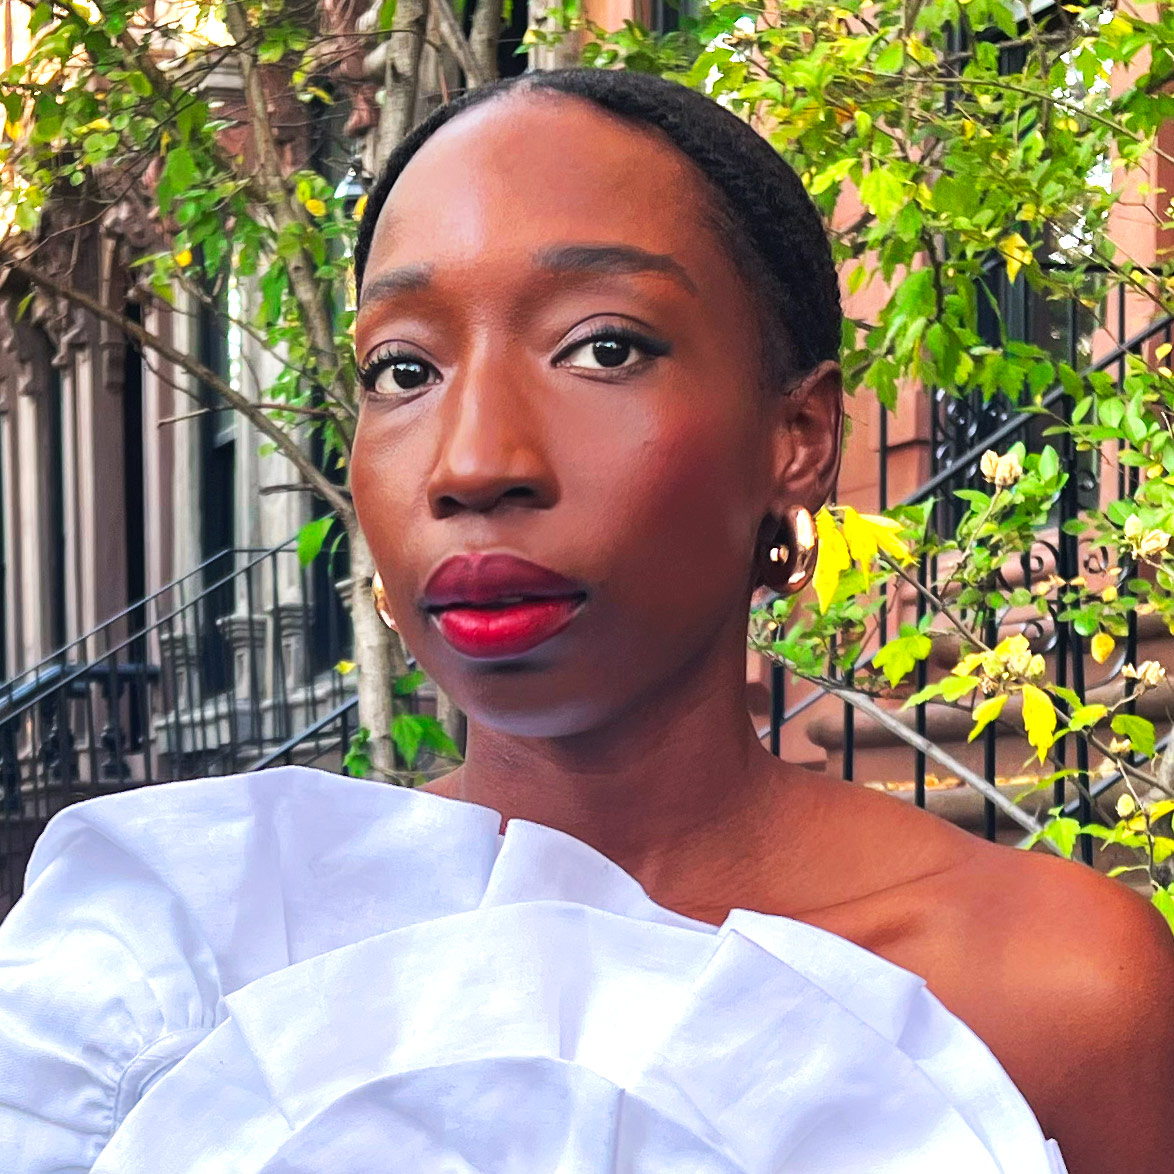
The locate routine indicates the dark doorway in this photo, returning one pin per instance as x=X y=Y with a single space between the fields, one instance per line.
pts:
x=4 y=425
x=134 y=497
x=51 y=442
x=217 y=499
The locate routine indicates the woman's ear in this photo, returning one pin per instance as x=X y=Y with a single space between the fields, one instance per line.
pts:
x=807 y=428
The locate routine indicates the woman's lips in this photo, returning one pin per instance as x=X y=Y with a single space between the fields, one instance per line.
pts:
x=498 y=605
x=505 y=631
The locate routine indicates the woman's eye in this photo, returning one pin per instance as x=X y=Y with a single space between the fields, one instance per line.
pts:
x=610 y=350
x=395 y=374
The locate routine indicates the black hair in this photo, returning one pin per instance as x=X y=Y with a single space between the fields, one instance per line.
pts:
x=758 y=204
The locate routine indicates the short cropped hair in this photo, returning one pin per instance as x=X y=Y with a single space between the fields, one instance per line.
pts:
x=758 y=205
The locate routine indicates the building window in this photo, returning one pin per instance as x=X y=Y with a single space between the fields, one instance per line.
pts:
x=217 y=440
x=665 y=15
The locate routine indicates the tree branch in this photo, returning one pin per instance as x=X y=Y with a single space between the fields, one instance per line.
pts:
x=285 y=443
x=453 y=36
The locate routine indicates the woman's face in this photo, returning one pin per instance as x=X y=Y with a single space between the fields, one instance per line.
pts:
x=618 y=484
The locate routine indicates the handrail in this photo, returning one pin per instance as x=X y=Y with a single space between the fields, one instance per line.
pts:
x=1015 y=422
x=800 y=707
x=55 y=656
x=83 y=668
x=303 y=735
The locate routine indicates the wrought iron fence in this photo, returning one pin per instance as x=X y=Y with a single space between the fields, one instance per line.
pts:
x=196 y=688
x=955 y=446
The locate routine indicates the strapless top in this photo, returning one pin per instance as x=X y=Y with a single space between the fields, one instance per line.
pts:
x=293 y=971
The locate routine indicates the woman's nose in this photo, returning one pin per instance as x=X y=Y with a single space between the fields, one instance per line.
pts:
x=491 y=452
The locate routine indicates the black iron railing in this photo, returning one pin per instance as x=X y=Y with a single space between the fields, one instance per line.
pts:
x=225 y=671
x=955 y=449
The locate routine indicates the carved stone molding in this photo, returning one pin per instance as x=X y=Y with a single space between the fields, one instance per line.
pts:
x=18 y=350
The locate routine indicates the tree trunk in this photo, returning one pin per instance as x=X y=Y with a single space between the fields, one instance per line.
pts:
x=401 y=78
x=452 y=718
x=379 y=657
x=484 y=34
x=565 y=53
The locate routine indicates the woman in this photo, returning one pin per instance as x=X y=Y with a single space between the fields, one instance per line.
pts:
x=597 y=329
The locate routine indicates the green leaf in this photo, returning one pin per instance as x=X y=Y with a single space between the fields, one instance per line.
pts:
x=409 y=683
x=1139 y=732
x=356 y=760
x=407 y=735
x=1062 y=832
x=42 y=15
x=311 y=537
x=1049 y=462
x=436 y=738
x=1087 y=715
x=891 y=58
x=882 y=192
x=410 y=731
x=898 y=657
x=922 y=695
x=955 y=686
x=1163 y=901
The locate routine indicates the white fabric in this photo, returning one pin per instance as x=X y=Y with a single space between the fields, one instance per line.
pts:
x=291 y=971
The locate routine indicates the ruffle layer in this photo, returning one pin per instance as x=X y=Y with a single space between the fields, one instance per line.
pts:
x=293 y=971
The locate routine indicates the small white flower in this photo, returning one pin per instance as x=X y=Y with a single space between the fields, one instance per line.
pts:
x=1153 y=542
x=1007 y=471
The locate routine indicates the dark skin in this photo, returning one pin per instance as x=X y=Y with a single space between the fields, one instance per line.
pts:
x=649 y=483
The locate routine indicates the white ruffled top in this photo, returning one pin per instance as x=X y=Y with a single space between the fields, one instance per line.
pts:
x=292 y=971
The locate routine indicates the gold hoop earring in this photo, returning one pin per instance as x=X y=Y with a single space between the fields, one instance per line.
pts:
x=379 y=599
x=789 y=559
x=806 y=543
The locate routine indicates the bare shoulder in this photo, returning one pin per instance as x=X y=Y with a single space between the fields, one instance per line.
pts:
x=1080 y=975
x=1066 y=975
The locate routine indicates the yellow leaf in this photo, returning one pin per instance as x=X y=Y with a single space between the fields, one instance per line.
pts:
x=1126 y=806
x=360 y=207
x=1039 y=719
x=831 y=559
x=861 y=542
x=985 y=713
x=1163 y=350
x=344 y=667
x=885 y=531
x=315 y=207
x=968 y=664
x=919 y=51
x=1016 y=253
x=1012 y=645
x=1101 y=646
x=183 y=258
x=1159 y=809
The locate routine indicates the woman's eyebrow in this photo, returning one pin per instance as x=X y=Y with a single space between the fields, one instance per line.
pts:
x=611 y=259
x=568 y=258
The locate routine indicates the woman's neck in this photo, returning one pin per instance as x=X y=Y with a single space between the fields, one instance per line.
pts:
x=677 y=790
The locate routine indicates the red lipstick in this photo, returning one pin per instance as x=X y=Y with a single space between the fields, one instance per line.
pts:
x=497 y=605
